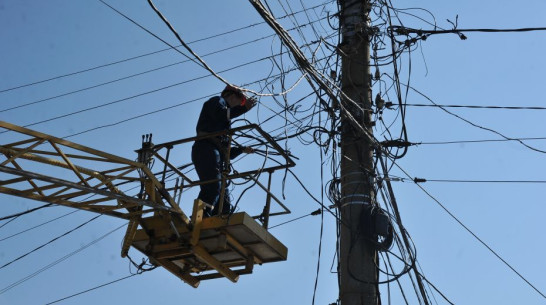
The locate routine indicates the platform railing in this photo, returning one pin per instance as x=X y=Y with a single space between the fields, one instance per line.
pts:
x=162 y=153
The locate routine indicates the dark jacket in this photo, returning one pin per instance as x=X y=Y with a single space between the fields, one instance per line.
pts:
x=214 y=118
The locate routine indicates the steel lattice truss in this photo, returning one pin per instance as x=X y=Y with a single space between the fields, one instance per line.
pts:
x=70 y=181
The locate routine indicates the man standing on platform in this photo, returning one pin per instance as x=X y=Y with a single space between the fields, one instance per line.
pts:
x=209 y=154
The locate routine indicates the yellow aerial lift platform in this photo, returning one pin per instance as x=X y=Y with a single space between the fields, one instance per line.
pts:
x=42 y=167
x=216 y=244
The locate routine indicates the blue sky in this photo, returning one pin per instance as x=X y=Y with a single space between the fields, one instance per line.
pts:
x=46 y=39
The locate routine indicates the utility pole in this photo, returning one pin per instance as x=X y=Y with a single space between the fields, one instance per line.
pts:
x=358 y=258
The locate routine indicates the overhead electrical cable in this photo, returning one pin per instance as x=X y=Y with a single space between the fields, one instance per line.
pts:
x=200 y=60
x=398 y=91
x=399 y=143
x=437 y=290
x=25 y=104
x=185 y=45
x=52 y=264
x=479 y=106
x=37 y=226
x=314 y=213
x=403 y=232
x=479 y=141
x=405 y=30
x=49 y=242
x=136 y=95
x=321 y=221
x=196 y=58
x=27 y=212
x=476 y=125
x=94 y=288
x=307 y=67
x=423 y=180
x=147 y=113
x=314 y=198
x=472 y=233
x=7 y=222
x=154 y=52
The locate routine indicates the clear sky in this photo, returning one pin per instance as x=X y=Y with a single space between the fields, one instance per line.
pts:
x=41 y=40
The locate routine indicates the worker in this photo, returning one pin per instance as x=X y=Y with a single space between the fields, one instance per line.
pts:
x=209 y=154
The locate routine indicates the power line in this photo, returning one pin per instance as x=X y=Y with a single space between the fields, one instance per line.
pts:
x=81 y=71
x=472 y=233
x=102 y=105
x=26 y=212
x=321 y=222
x=405 y=30
x=49 y=242
x=311 y=73
x=478 y=106
x=153 y=70
x=474 y=124
x=324 y=208
x=436 y=289
x=314 y=213
x=135 y=117
x=137 y=95
x=422 y=180
x=154 y=52
x=4 y=224
x=478 y=141
x=153 y=112
x=94 y=288
x=39 y=225
x=28 y=277
x=198 y=59
x=152 y=91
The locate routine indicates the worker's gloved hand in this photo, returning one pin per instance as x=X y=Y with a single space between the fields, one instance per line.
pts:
x=250 y=102
x=248 y=150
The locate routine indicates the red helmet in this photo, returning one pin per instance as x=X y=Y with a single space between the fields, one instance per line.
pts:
x=235 y=90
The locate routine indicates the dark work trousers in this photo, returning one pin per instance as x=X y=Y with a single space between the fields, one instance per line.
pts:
x=208 y=163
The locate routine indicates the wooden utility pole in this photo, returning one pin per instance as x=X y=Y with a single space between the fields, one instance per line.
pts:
x=358 y=258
